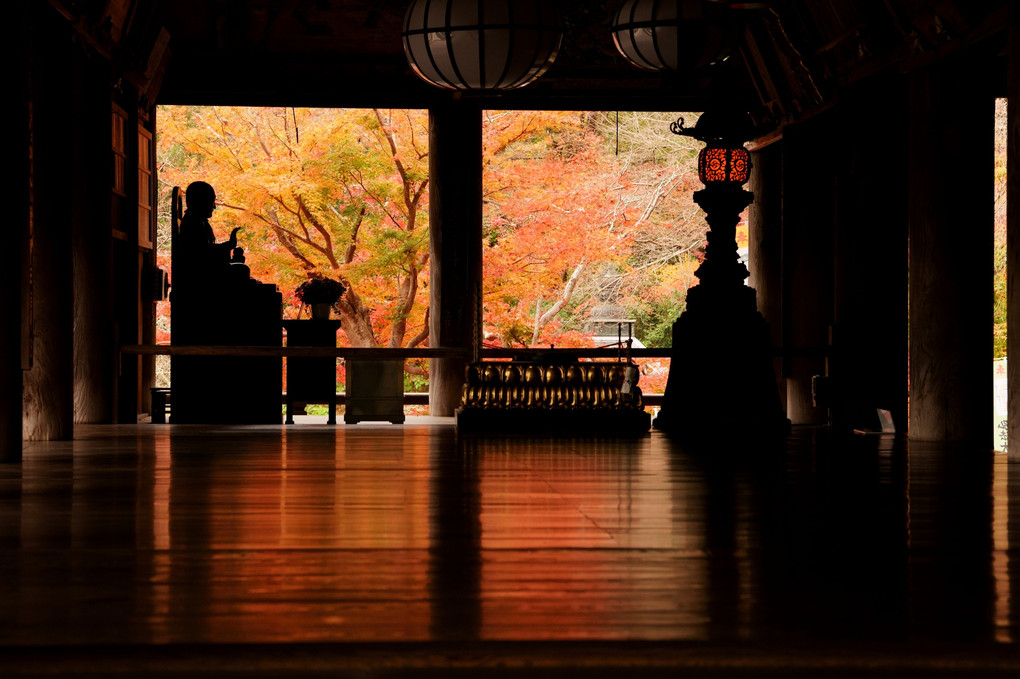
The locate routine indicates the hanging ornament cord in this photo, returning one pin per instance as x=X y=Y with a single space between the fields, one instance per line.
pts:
x=617 y=133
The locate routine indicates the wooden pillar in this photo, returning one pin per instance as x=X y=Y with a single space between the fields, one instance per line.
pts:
x=951 y=241
x=455 y=234
x=48 y=385
x=94 y=357
x=11 y=256
x=765 y=243
x=1013 y=233
x=868 y=365
x=807 y=265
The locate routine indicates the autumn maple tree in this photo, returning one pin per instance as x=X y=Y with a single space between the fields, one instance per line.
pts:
x=575 y=214
x=334 y=192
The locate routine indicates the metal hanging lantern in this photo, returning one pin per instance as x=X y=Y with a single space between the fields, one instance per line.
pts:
x=673 y=35
x=481 y=45
x=724 y=160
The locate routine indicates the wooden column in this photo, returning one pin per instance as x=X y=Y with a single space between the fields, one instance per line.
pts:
x=951 y=240
x=807 y=264
x=765 y=243
x=868 y=366
x=455 y=233
x=94 y=350
x=11 y=256
x=48 y=386
x=1013 y=233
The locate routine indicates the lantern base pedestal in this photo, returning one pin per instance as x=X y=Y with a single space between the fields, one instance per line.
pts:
x=721 y=377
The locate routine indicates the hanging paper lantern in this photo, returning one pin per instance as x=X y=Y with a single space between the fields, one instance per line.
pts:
x=673 y=35
x=481 y=45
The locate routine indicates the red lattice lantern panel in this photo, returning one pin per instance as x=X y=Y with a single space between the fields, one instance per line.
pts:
x=721 y=165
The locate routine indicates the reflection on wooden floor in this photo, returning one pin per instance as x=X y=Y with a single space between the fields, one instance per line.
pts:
x=146 y=536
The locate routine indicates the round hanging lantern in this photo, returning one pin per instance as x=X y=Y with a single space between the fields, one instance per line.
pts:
x=481 y=45
x=673 y=35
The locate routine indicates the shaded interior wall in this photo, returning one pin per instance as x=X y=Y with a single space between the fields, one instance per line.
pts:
x=868 y=364
x=81 y=297
x=455 y=233
x=94 y=349
x=808 y=213
x=951 y=244
x=765 y=244
x=133 y=308
x=147 y=280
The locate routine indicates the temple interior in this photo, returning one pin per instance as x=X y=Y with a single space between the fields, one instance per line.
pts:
x=756 y=531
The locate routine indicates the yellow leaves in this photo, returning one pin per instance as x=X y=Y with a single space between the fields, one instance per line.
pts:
x=319 y=189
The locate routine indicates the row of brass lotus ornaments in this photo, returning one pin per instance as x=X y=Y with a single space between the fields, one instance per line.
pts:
x=573 y=386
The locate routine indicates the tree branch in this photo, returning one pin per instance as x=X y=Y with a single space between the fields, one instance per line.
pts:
x=568 y=290
x=423 y=334
x=322 y=230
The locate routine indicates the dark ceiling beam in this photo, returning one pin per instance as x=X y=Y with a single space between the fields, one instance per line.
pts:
x=798 y=58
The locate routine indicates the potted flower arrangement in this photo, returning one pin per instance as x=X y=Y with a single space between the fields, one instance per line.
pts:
x=320 y=294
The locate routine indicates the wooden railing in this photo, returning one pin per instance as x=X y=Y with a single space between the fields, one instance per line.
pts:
x=467 y=354
x=285 y=352
x=650 y=399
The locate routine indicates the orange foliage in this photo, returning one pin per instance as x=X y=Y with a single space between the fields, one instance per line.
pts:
x=568 y=223
x=334 y=192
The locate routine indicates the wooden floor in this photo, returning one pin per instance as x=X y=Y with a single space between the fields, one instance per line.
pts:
x=379 y=550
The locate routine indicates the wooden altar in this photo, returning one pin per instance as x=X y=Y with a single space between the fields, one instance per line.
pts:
x=311 y=380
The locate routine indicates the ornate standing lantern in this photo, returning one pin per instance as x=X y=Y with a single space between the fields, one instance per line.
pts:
x=673 y=35
x=724 y=166
x=735 y=384
x=724 y=158
x=481 y=45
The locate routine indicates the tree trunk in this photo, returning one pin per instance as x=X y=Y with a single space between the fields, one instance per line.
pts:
x=356 y=319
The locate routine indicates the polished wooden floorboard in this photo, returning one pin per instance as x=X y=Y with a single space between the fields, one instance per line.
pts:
x=220 y=542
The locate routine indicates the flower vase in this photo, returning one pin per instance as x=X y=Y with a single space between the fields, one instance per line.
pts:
x=320 y=311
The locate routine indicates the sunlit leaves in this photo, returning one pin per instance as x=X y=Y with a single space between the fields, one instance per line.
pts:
x=336 y=192
x=577 y=211
x=569 y=222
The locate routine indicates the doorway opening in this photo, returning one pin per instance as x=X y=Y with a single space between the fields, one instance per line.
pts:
x=337 y=193
x=1000 y=282
x=590 y=231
